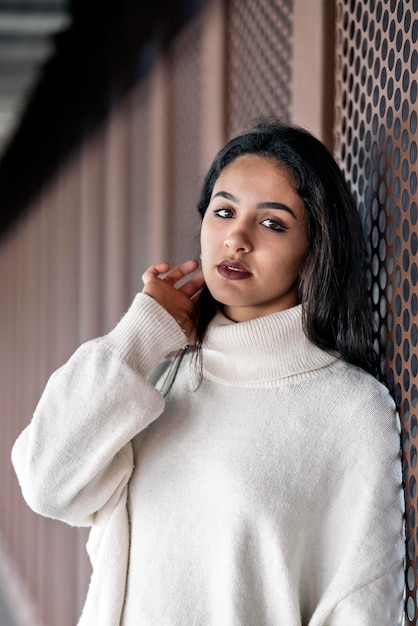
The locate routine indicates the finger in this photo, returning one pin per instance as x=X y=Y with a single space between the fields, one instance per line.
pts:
x=182 y=270
x=154 y=271
x=193 y=285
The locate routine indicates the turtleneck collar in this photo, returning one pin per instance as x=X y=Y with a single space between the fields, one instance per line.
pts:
x=263 y=351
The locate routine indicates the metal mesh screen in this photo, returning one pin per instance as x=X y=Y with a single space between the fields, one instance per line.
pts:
x=259 y=59
x=376 y=144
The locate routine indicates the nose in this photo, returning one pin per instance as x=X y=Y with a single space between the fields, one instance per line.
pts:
x=238 y=240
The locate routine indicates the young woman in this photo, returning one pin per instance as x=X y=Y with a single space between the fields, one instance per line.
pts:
x=254 y=480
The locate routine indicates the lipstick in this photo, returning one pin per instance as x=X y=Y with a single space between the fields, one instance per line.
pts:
x=233 y=270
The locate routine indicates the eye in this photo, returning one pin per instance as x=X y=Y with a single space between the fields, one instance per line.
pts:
x=272 y=224
x=224 y=213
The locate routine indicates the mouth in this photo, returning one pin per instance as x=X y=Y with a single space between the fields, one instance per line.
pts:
x=233 y=270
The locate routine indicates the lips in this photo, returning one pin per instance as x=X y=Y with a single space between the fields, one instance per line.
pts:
x=233 y=270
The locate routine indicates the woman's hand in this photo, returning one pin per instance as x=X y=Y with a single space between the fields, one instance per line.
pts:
x=160 y=283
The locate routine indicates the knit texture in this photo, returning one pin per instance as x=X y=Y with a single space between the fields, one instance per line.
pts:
x=264 y=490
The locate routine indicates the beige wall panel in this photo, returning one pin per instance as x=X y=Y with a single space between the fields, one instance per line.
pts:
x=91 y=229
x=158 y=206
x=313 y=67
x=140 y=217
x=16 y=384
x=213 y=50
x=115 y=219
x=184 y=123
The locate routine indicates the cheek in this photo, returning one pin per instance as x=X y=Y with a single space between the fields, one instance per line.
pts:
x=206 y=238
x=298 y=251
x=202 y=241
x=204 y=247
x=290 y=261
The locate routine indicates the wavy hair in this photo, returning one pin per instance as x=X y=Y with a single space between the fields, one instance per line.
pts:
x=333 y=281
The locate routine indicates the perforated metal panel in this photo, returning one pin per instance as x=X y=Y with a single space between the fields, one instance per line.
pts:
x=376 y=144
x=259 y=58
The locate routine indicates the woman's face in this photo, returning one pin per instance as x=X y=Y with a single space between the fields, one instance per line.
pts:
x=253 y=239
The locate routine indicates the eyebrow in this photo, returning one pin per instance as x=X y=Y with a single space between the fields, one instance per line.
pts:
x=261 y=205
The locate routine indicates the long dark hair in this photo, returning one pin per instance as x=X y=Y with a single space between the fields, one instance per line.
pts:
x=333 y=283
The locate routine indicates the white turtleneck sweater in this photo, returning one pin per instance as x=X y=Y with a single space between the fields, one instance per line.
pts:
x=267 y=495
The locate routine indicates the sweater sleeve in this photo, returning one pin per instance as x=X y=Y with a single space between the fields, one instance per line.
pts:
x=364 y=548
x=76 y=454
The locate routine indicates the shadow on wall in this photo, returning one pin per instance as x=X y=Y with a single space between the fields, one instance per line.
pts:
x=107 y=49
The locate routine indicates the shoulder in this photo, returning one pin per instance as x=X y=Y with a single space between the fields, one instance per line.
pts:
x=356 y=403
x=353 y=384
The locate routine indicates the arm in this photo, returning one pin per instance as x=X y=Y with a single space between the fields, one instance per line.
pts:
x=364 y=529
x=76 y=454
